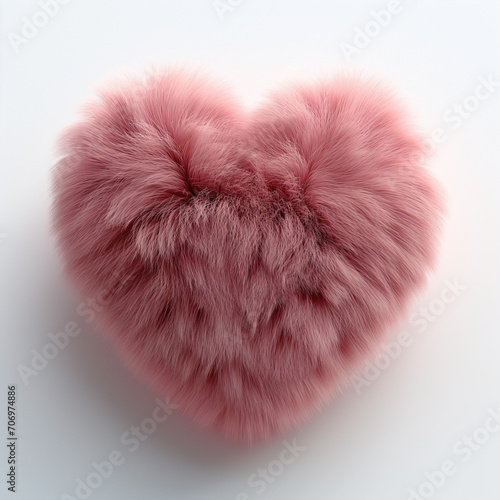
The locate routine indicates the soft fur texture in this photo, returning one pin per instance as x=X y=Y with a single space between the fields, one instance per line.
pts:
x=247 y=263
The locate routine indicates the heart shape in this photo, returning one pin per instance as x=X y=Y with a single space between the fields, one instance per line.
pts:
x=247 y=262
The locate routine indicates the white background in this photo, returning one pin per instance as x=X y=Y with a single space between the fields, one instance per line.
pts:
x=374 y=445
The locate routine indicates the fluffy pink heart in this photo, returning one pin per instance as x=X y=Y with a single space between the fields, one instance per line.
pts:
x=247 y=262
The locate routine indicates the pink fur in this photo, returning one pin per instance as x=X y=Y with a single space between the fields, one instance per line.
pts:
x=247 y=262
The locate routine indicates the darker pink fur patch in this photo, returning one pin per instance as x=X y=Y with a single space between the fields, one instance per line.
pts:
x=248 y=262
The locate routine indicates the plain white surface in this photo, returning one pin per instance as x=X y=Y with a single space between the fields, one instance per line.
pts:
x=374 y=445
